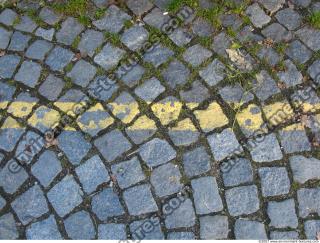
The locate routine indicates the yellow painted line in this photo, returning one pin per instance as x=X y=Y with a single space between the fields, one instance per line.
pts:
x=249 y=119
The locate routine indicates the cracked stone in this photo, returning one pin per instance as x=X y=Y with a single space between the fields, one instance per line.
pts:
x=206 y=195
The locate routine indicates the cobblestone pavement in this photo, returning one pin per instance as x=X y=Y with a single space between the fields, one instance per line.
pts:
x=197 y=123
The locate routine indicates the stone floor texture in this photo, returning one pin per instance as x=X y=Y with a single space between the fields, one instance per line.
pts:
x=152 y=119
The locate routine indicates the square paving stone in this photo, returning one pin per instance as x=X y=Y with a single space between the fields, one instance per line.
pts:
x=139 y=200
x=19 y=41
x=274 y=181
x=94 y=120
x=106 y=204
x=314 y=71
x=158 y=55
x=166 y=180
x=214 y=227
x=157 y=152
x=74 y=145
x=206 y=195
x=29 y=73
x=277 y=33
x=112 y=231
x=46 y=168
x=22 y=105
x=46 y=34
x=289 y=18
x=124 y=107
x=176 y=74
x=8 y=16
x=132 y=76
x=148 y=229
x=282 y=214
x=298 y=52
x=4 y=38
x=139 y=7
x=240 y=172
x=289 y=142
x=11 y=131
x=230 y=21
x=181 y=37
x=46 y=229
x=181 y=236
x=59 y=58
x=310 y=37
x=156 y=19
x=184 y=133
x=269 y=55
x=309 y=201
x=224 y=144
x=30 y=205
x=101 y=3
x=82 y=73
x=6 y=94
x=102 y=88
x=113 y=20
x=213 y=73
x=44 y=119
x=67 y=102
x=257 y=16
x=8 y=228
x=92 y=173
x=79 y=226
x=182 y=216
x=304 y=169
x=202 y=28
x=26 y=24
x=265 y=86
x=135 y=37
x=266 y=150
x=242 y=200
x=38 y=50
x=311 y=228
x=195 y=55
x=142 y=129
x=112 y=145
x=30 y=140
x=65 y=196
x=109 y=56
x=247 y=34
x=70 y=29
x=51 y=88
x=235 y=94
x=249 y=230
x=196 y=162
x=150 y=89
x=49 y=16
x=90 y=41
x=194 y=95
x=12 y=176
x=286 y=235
x=128 y=172
x=221 y=43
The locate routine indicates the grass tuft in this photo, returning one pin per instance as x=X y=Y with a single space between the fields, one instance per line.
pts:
x=314 y=20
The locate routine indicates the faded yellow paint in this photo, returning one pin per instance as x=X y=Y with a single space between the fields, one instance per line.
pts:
x=211 y=118
x=4 y=104
x=143 y=123
x=294 y=127
x=167 y=111
x=46 y=119
x=184 y=125
x=278 y=112
x=101 y=124
x=11 y=123
x=21 y=108
x=307 y=107
x=125 y=112
x=250 y=119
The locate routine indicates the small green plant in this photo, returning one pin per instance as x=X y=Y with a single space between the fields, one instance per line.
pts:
x=76 y=42
x=113 y=38
x=99 y=13
x=314 y=19
x=175 y=5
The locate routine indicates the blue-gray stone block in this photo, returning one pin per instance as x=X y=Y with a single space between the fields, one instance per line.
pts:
x=46 y=229
x=79 y=226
